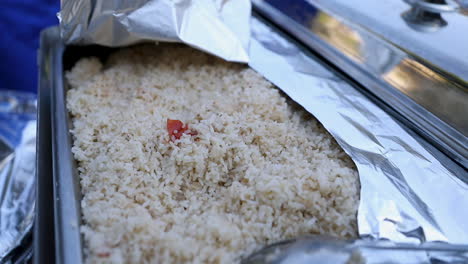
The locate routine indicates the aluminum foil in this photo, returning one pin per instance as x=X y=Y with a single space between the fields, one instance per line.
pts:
x=17 y=168
x=219 y=27
x=406 y=194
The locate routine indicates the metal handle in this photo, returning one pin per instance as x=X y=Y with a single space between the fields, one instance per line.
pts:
x=443 y=7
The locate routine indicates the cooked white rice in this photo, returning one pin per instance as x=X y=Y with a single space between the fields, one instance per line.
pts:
x=259 y=170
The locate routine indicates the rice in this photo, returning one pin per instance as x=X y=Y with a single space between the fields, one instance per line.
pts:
x=259 y=169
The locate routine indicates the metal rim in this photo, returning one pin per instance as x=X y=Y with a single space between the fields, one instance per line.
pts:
x=451 y=6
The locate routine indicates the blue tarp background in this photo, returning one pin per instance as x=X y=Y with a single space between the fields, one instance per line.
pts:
x=20 y=24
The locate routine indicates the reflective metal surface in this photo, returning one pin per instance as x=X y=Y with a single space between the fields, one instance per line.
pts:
x=67 y=195
x=444 y=49
x=329 y=250
x=17 y=168
x=435 y=6
x=421 y=76
x=43 y=236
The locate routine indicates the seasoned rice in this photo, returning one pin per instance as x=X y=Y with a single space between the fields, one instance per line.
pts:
x=259 y=169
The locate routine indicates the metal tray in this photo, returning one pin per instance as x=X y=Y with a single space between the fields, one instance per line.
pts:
x=57 y=168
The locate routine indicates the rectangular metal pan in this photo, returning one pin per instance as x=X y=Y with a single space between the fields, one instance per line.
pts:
x=55 y=59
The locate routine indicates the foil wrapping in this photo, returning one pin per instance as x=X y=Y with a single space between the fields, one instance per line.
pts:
x=17 y=168
x=407 y=195
x=219 y=27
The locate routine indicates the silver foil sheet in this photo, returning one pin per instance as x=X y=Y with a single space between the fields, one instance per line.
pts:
x=407 y=195
x=17 y=168
x=219 y=27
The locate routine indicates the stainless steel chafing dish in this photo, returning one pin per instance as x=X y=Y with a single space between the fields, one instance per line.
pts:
x=406 y=56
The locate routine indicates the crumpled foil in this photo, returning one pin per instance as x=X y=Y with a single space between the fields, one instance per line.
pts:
x=17 y=168
x=219 y=27
x=406 y=194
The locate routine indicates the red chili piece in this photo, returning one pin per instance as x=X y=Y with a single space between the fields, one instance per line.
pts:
x=176 y=129
x=103 y=254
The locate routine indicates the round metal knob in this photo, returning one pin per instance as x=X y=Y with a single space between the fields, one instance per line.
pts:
x=425 y=15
